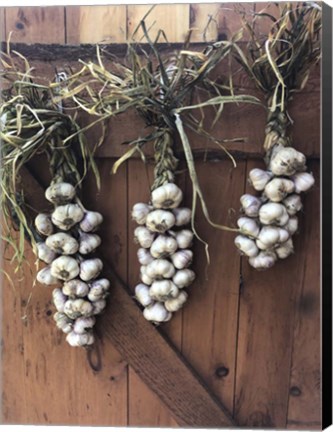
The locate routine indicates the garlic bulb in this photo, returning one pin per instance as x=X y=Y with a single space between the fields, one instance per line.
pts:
x=160 y=221
x=174 y=304
x=59 y=299
x=285 y=249
x=65 y=268
x=66 y=216
x=273 y=213
x=278 y=188
x=160 y=269
x=98 y=306
x=258 y=178
x=183 y=278
x=268 y=237
x=88 y=243
x=157 y=313
x=90 y=269
x=75 y=288
x=83 y=324
x=303 y=181
x=140 y=212
x=182 y=216
x=60 y=193
x=166 y=196
x=78 y=307
x=144 y=237
x=246 y=246
x=63 y=322
x=142 y=295
x=163 y=246
x=293 y=204
x=248 y=227
x=98 y=290
x=264 y=260
x=292 y=225
x=184 y=238
x=91 y=221
x=44 y=253
x=43 y=224
x=182 y=258
x=287 y=161
x=80 y=340
x=250 y=205
x=45 y=276
x=161 y=290
x=144 y=277
x=144 y=256
x=62 y=243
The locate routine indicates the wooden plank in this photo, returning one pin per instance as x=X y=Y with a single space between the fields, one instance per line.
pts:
x=211 y=318
x=173 y=19
x=95 y=24
x=305 y=383
x=204 y=22
x=36 y=24
x=266 y=324
x=2 y=24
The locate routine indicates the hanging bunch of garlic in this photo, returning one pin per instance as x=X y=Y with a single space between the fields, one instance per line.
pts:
x=68 y=249
x=269 y=221
x=164 y=252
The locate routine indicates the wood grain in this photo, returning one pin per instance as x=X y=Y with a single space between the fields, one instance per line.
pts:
x=95 y=24
x=2 y=24
x=36 y=24
x=204 y=22
x=173 y=19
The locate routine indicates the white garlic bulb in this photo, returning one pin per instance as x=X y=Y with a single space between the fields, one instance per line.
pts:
x=259 y=178
x=273 y=213
x=98 y=290
x=161 y=290
x=144 y=256
x=90 y=269
x=91 y=221
x=62 y=243
x=287 y=161
x=283 y=235
x=157 y=313
x=144 y=277
x=44 y=224
x=98 y=306
x=174 y=304
x=184 y=238
x=182 y=258
x=63 y=322
x=285 y=249
x=80 y=340
x=60 y=193
x=44 y=253
x=140 y=212
x=82 y=325
x=182 y=215
x=293 y=204
x=65 y=268
x=278 y=188
x=160 y=269
x=183 y=278
x=292 y=225
x=246 y=246
x=75 y=288
x=88 y=243
x=166 y=196
x=264 y=260
x=144 y=237
x=268 y=237
x=75 y=308
x=142 y=295
x=160 y=221
x=66 y=216
x=303 y=181
x=250 y=205
x=59 y=299
x=163 y=246
x=248 y=227
x=45 y=276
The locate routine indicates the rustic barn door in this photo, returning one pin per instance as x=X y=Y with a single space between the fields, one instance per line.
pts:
x=245 y=349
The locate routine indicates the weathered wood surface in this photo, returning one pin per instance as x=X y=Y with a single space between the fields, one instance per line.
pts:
x=254 y=344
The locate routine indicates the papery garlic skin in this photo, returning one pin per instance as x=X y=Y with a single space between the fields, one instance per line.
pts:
x=273 y=214
x=45 y=276
x=144 y=237
x=250 y=205
x=263 y=261
x=44 y=224
x=63 y=322
x=59 y=299
x=91 y=221
x=98 y=306
x=163 y=246
x=65 y=268
x=293 y=204
x=160 y=221
x=183 y=278
x=44 y=253
x=174 y=304
x=80 y=340
x=75 y=288
x=303 y=181
x=160 y=269
x=182 y=216
x=258 y=178
x=144 y=256
x=182 y=258
x=77 y=308
x=248 y=226
x=287 y=161
x=184 y=238
x=90 y=269
x=157 y=313
x=66 y=216
x=142 y=295
x=83 y=325
x=62 y=243
x=277 y=189
x=88 y=243
x=161 y=290
x=140 y=212
x=246 y=245
x=285 y=249
x=166 y=196
x=60 y=193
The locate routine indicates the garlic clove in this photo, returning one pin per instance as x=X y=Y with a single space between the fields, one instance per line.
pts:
x=144 y=237
x=166 y=196
x=246 y=246
x=258 y=178
x=63 y=322
x=144 y=256
x=287 y=161
x=182 y=215
x=80 y=340
x=44 y=253
x=75 y=288
x=163 y=246
x=142 y=295
x=90 y=269
x=273 y=214
x=82 y=325
x=59 y=299
x=140 y=212
x=156 y=312
x=278 y=188
x=285 y=249
x=174 y=304
x=88 y=243
x=184 y=239
x=60 y=193
x=182 y=258
x=250 y=205
x=44 y=276
x=248 y=227
x=263 y=261
x=65 y=268
x=183 y=278
x=160 y=221
x=91 y=221
x=75 y=308
x=303 y=181
x=293 y=204
x=62 y=243
x=44 y=224
x=66 y=216
x=161 y=290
